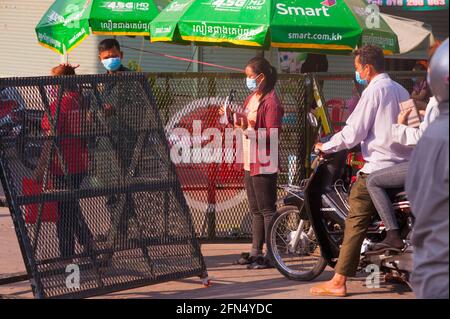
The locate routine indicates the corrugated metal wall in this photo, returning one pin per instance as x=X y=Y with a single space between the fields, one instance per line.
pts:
x=140 y=53
x=234 y=58
x=20 y=53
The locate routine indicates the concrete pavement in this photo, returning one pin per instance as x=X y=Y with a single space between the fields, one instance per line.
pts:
x=228 y=281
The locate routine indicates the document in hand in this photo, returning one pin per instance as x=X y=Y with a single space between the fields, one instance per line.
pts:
x=238 y=117
x=414 y=117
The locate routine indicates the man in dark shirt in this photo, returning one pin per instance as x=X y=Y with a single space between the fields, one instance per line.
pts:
x=120 y=116
x=111 y=56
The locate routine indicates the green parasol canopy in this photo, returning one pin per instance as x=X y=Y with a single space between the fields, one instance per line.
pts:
x=68 y=22
x=326 y=26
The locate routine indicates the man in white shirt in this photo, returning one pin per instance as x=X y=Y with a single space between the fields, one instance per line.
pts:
x=369 y=124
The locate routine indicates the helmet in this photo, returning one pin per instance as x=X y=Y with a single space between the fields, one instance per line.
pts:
x=438 y=76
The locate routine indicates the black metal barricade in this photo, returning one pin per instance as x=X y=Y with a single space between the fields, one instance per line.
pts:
x=94 y=196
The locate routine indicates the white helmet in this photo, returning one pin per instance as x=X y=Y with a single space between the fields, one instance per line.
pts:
x=438 y=76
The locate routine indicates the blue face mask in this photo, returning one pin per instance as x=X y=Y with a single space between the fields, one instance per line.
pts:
x=359 y=80
x=112 y=64
x=252 y=84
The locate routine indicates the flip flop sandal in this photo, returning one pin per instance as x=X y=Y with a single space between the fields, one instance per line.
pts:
x=259 y=266
x=244 y=259
x=260 y=263
x=324 y=292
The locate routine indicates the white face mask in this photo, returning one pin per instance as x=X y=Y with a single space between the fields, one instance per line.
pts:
x=252 y=85
x=112 y=64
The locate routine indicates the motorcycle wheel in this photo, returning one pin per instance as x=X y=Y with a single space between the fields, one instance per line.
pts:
x=27 y=152
x=301 y=263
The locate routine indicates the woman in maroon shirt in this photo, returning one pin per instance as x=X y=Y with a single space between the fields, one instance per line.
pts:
x=260 y=125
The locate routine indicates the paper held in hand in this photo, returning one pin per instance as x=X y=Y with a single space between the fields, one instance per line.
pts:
x=240 y=119
x=413 y=117
x=227 y=117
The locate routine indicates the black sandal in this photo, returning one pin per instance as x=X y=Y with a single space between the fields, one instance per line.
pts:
x=245 y=259
x=261 y=263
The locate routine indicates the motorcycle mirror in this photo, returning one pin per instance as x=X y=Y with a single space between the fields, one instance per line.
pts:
x=312 y=120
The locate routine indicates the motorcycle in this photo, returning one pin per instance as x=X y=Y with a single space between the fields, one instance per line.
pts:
x=18 y=125
x=308 y=228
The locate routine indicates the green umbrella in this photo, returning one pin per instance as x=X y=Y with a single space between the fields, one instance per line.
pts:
x=68 y=22
x=327 y=26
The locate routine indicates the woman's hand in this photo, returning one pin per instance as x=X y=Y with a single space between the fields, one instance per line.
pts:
x=403 y=116
x=240 y=123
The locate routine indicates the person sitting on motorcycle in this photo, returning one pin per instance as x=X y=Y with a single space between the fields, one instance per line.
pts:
x=369 y=124
x=421 y=93
x=394 y=176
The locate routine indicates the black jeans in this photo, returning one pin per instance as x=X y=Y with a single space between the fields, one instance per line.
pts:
x=262 y=198
x=71 y=222
x=125 y=146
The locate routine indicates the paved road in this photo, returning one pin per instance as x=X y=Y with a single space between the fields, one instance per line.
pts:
x=229 y=281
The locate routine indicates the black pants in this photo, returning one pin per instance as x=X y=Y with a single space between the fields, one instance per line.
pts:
x=71 y=222
x=125 y=146
x=120 y=218
x=262 y=197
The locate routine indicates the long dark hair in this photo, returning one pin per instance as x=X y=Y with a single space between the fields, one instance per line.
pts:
x=260 y=65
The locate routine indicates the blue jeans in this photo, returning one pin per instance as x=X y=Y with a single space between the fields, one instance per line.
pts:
x=378 y=183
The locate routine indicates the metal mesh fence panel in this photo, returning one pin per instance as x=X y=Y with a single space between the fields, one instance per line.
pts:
x=95 y=199
x=215 y=191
